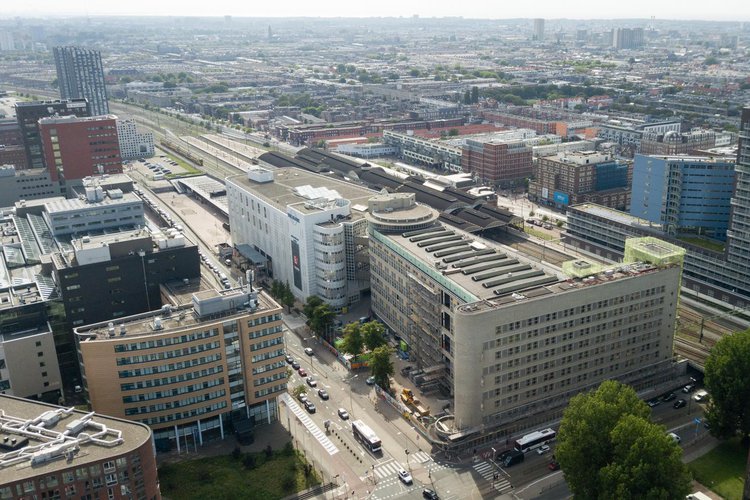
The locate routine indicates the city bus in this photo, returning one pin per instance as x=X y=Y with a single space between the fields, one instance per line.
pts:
x=366 y=436
x=534 y=440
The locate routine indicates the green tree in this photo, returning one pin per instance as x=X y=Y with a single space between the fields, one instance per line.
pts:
x=286 y=296
x=382 y=366
x=300 y=389
x=646 y=463
x=475 y=94
x=322 y=320
x=373 y=334
x=467 y=97
x=352 y=343
x=728 y=411
x=584 y=442
x=311 y=303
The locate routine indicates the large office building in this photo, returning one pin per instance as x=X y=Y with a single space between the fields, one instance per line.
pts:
x=628 y=134
x=304 y=229
x=512 y=339
x=53 y=452
x=189 y=369
x=675 y=143
x=627 y=38
x=80 y=76
x=28 y=115
x=30 y=184
x=569 y=178
x=75 y=147
x=498 y=162
x=12 y=151
x=684 y=195
x=538 y=29
x=118 y=274
x=134 y=143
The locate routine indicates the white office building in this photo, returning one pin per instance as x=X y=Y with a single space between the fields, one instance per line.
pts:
x=134 y=143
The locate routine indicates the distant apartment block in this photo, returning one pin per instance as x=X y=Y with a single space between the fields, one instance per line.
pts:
x=80 y=76
x=502 y=163
x=684 y=195
x=75 y=147
x=28 y=115
x=188 y=370
x=538 y=29
x=675 y=143
x=627 y=38
x=569 y=178
x=431 y=153
x=630 y=133
x=134 y=143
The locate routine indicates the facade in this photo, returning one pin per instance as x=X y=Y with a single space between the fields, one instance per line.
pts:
x=133 y=143
x=675 y=143
x=369 y=150
x=684 y=195
x=738 y=235
x=539 y=30
x=627 y=38
x=502 y=163
x=12 y=151
x=309 y=229
x=28 y=115
x=185 y=370
x=28 y=361
x=570 y=178
x=52 y=452
x=118 y=274
x=25 y=185
x=80 y=76
x=513 y=340
x=423 y=151
x=75 y=147
x=629 y=135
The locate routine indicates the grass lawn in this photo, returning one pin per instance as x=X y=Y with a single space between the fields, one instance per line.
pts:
x=227 y=477
x=540 y=234
x=722 y=469
x=714 y=245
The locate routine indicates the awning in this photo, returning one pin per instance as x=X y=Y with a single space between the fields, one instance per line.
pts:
x=251 y=254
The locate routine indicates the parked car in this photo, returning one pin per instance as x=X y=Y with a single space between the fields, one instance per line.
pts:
x=309 y=351
x=542 y=449
x=653 y=402
x=405 y=477
x=310 y=406
x=553 y=465
x=323 y=394
x=343 y=414
x=406 y=370
x=700 y=396
x=668 y=397
x=302 y=373
x=312 y=382
x=674 y=437
x=295 y=365
x=429 y=494
x=688 y=388
x=680 y=403
x=302 y=398
x=370 y=381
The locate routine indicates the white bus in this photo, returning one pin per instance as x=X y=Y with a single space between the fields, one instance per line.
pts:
x=366 y=436
x=534 y=440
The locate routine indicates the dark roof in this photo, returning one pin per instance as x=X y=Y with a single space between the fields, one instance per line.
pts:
x=483 y=220
x=378 y=178
x=330 y=160
x=281 y=160
x=469 y=199
x=500 y=214
x=459 y=223
x=431 y=197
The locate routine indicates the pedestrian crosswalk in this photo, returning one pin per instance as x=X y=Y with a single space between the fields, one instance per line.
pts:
x=304 y=419
x=419 y=457
x=388 y=469
x=489 y=472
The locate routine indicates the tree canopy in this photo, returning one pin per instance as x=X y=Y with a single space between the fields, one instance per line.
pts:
x=608 y=448
x=382 y=366
x=353 y=343
x=373 y=334
x=726 y=380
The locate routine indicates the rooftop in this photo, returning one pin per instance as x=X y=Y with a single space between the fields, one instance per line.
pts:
x=617 y=216
x=42 y=423
x=61 y=205
x=56 y=120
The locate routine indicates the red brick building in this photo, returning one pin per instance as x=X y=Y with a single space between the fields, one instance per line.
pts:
x=12 y=151
x=75 y=147
x=503 y=163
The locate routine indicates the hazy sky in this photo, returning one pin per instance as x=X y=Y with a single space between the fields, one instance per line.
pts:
x=721 y=10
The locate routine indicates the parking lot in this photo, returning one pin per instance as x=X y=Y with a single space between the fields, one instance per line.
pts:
x=157 y=167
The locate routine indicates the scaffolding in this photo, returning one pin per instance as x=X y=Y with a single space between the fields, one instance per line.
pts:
x=654 y=251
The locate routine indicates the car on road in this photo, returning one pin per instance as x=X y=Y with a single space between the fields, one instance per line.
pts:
x=653 y=402
x=553 y=465
x=295 y=365
x=323 y=394
x=542 y=449
x=302 y=398
x=310 y=406
x=680 y=403
x=674 y=437
x=700 y=396
x=688 y=388
x=429 y=494
x=302 y=373
x=668 y=397
x=312 y=382
x=405 y=477
x=309 y=351
x=343 y=414
x=370 y=381
x=406 y=370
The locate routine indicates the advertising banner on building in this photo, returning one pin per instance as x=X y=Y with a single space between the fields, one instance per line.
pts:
x=297 y=269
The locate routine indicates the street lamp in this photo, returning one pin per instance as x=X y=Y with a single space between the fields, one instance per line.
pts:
x=407 y=459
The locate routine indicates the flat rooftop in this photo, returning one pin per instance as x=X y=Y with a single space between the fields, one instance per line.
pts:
x=623 y=218
x=283 y=192
x=62 y=205
x=132 y=435
x=178 y=317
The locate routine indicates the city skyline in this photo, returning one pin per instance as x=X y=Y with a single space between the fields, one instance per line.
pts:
x=725 y=10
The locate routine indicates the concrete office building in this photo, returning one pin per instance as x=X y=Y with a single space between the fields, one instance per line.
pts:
x=75 y=147
x=684 y=195
x=502 y=163
x=134 y=143
x=28 y=361
x=187 y=370
x=304 y=229
x=627 y=38
x=569 y=178
x=628 y=134
x=28 y=115
x=54 y=452
x=80 y=76
x=29 y=184
x=118 y=274
x=432 y=153
x=512 y=339
x=538 y=30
